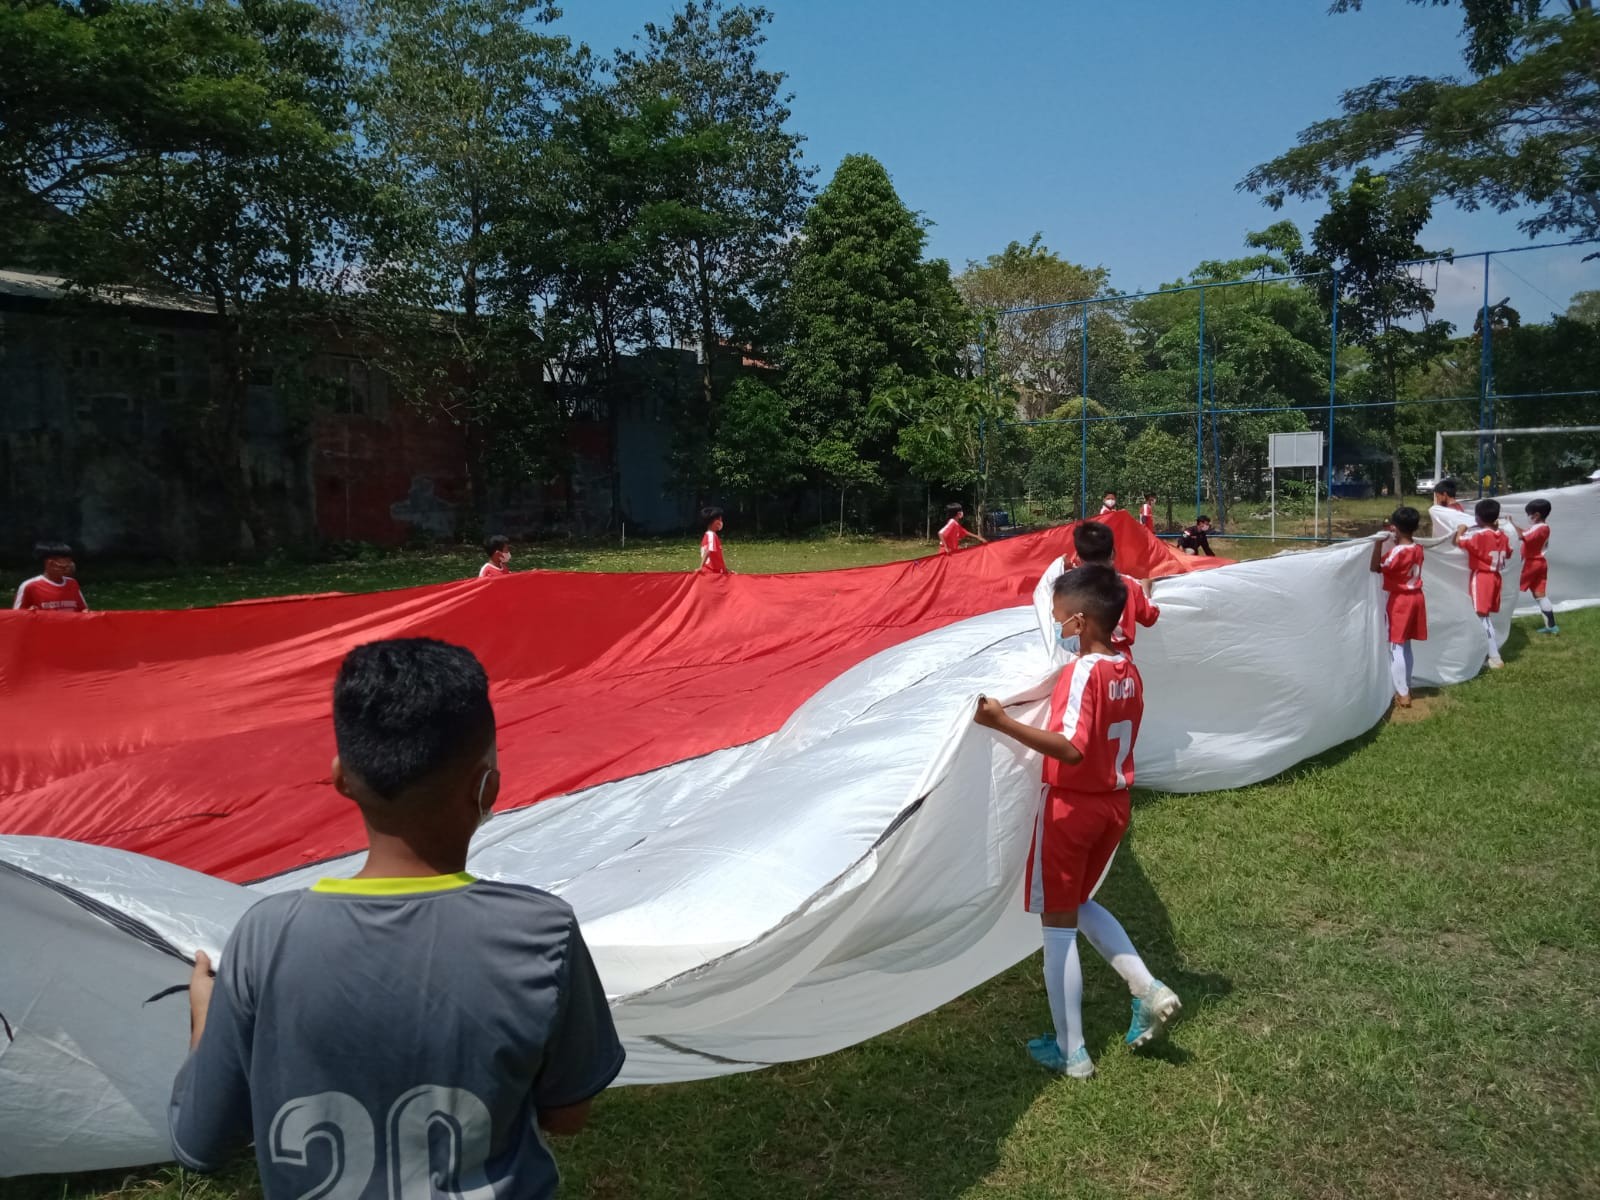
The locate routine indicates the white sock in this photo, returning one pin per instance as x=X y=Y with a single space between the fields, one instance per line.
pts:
x=1410 y=662
x=1063 y=983
x=1488 y=632
x=1106 y=935
x=1544 y=607
x=1398 y=674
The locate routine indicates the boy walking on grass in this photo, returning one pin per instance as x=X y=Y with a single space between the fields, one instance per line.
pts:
x=1397 y=557
x=1488 y=550
x=1535 y=567
x=711 y=560
x=952 y=533
x=1096 y=545
x=1088 y=770
x=410 y=1031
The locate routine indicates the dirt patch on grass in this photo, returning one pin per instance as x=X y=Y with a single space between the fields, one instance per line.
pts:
x=1423 y=706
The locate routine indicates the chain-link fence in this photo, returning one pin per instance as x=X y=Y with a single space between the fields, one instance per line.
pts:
x=1174 y=394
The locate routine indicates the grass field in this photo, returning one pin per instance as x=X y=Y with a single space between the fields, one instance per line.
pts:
x=1387 y=958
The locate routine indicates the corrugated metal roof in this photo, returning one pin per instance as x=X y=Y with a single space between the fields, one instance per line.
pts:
x=30 y=286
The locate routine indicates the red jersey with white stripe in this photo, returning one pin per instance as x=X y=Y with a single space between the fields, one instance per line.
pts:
x=950 y=536
x=41 y=594
x=1147 y=515
x=1136 y=612
x=1402 y=569
x=1533 y=541
x=491 y=570
x=1097 y=704
x=711 y=554
x=1487 y=549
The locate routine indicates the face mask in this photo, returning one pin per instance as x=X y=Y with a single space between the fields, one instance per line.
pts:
x=484 y=813
x=1068 y=642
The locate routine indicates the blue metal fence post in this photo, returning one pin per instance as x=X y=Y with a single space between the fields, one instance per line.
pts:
x=983 y=370
x=1333 y=383
x=1216 y=451
x=1485 y=370
x=1083 y=415
x=1200 y=405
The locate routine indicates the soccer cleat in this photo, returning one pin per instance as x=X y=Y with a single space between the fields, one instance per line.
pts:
x=1046 y=1051
x=1496 y=663
x=1548 y=629
x=1152 y=1013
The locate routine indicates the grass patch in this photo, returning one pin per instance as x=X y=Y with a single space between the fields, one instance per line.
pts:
x=1386 y=957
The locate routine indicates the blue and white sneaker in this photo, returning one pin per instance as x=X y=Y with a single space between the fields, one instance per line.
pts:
x=1548 y=629
x=1046 y=1051
x=1152 y=1013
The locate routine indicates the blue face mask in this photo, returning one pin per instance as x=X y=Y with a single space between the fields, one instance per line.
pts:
x=1068 y=642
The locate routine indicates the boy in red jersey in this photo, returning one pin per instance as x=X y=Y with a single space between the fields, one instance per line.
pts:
x=1488 y=551
x=1444 y=495
x=1108 y=503
x=1535 y=567
x=1088 y=769
x=711 y=544
x=952 y=533
x=1147 y=512
x=55 y=590
x=1095 y=545
x=1397 y=557
x=499 y=550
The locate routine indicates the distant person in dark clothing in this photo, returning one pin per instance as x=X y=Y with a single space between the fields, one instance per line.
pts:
x=1196 y=538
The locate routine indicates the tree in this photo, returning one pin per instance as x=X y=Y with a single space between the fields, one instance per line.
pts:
x=1159 y=462
x=1520 y=132
x=868 y=318
x=1367 y=236
x=90 y=91
x=1056 y=474
x=757 y=452
x=740 y=189
x=262 y=226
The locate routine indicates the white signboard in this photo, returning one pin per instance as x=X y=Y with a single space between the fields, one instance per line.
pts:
x=1294 y=450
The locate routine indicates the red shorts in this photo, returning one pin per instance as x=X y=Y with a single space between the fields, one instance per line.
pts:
x=1408 y=617
x=1073 y=842
x=1484 y=587
x=1535 y=574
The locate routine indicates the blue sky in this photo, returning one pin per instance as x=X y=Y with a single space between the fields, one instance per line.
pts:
x=1118 y=131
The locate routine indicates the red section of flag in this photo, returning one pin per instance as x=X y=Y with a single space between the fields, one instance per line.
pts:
x=203 y=737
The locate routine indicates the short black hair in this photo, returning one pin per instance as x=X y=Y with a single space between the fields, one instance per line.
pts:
x=1487 y=511
x=1202 y=517
x=1107 y=494
x=1405 y=519
x=954 y=509
x=709 y=514
x=1094 y=542
x=1446 y=487
x=1150 y=496
x=1538 y=508
x=46 y=550
x=1096 y=590
x=497 y=543
x=407 y=709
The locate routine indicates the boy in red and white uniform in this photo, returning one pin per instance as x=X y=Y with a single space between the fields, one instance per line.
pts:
x=1088 y=769
x=1444 y=495
x=1397 y=557
x=1535 y=567
x=1488 y=551
x=55 y=590
x=499 y=550
x=1108 y=503
x=711 y=543
x=1147 y=512
x=952 y=533
x=1095 y=545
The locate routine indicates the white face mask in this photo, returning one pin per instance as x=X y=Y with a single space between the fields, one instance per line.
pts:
x=485 y=813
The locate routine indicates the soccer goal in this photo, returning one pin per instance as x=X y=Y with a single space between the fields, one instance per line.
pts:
x=1489 y=434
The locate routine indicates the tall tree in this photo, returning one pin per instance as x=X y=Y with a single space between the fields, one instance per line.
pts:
x=868 y=319
x=259 y=225
x=460 y=97
x=1519 y=132
x=741 y=192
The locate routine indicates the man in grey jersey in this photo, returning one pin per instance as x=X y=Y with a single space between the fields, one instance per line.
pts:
x=405 y=1034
